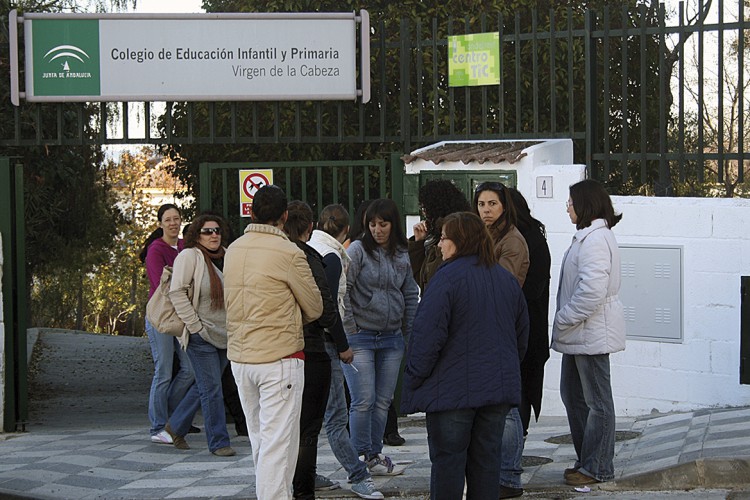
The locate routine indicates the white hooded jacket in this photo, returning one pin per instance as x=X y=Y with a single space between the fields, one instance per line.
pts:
x=590 y=318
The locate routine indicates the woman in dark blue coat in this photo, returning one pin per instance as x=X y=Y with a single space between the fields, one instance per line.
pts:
x=463 y=361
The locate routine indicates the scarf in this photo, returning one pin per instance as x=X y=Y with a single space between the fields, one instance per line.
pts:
x=214 y=259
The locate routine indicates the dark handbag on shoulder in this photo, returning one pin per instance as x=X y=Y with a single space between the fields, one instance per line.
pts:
x=160 y=312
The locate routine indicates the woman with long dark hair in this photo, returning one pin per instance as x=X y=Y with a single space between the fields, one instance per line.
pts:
x=328 y=239
x=494 y=204
x=197 y=292
x=381 y=300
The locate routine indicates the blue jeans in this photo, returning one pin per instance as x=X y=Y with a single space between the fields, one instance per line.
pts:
x=335 y=421
x=208 y=363
x=166 y=391
x=586 y=392
x=511 y=451
x=465 y=445
x=377 y=358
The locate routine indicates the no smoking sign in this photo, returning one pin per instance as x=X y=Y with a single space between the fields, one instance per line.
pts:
x=250 y=182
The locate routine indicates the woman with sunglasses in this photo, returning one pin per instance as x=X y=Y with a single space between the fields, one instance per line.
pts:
x=589 y=325
x=494 y=205
x=462 y=366
x=197 y=292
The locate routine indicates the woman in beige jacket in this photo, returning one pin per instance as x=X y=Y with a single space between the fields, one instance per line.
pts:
x=197 y=292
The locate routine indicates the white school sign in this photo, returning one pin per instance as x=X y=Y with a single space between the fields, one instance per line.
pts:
x=206 y=57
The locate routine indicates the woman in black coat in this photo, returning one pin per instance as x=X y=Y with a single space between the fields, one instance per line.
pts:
x=536 y=291
x=298 y=227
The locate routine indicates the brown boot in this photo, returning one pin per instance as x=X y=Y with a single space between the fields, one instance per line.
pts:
x=226 y=451
x=580 y=479
x=178 y=441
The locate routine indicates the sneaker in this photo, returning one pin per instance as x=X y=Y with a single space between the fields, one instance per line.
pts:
x=322 y=483
x=394 y=439
x=366 y=489
x=226 y=451
x=178 y=441
x=194 y=430
x=380 y=465
x=162 y=437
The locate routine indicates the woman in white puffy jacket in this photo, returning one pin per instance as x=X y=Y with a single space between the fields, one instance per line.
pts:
x=589 y=325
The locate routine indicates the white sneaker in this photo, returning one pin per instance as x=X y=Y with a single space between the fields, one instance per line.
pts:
x=366 y=489
x=162 y=437
x=382 y=465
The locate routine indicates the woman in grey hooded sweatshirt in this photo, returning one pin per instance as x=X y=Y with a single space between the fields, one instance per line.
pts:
x=381 y=301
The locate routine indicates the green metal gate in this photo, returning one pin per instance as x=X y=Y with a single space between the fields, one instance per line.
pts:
x=13 y=296
x=318 y=183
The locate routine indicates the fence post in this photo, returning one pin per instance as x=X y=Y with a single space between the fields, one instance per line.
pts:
x=14 y=306
x=204 y=185
x=592 y=103
x=664 y=184
x=405 y=77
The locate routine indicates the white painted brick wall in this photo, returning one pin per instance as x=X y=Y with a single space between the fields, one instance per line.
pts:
x=703 y=370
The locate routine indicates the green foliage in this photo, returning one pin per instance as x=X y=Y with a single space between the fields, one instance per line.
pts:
x=105 y=288
x=81 y=251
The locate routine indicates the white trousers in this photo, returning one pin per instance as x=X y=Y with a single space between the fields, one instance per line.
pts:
x=271 y=397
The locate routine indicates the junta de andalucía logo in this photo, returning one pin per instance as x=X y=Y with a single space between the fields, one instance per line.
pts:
x=66 y=53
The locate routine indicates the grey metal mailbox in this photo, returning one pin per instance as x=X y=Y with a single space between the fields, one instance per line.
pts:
x=651 y=292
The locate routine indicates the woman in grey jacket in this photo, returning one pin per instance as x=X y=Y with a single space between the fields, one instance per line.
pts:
x=380 y=303
x=589 y=325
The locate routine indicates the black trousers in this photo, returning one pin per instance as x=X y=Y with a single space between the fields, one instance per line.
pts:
x=314 y=402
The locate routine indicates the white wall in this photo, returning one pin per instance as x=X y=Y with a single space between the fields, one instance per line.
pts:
x=701 y=371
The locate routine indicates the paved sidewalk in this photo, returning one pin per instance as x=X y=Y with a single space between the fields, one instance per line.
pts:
x=88 y=438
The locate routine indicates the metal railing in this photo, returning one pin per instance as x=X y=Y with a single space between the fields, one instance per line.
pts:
x=653 y=100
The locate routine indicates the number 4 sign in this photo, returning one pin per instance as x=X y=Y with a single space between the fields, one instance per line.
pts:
x=544 y=186
x=250 y=182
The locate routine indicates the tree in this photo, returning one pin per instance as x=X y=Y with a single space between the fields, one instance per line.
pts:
x=135 y=179
x=69 y=218
x=719 y=95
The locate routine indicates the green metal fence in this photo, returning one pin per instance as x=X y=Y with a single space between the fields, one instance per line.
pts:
x=654 y=100
x=14 y=296
x=318 y=183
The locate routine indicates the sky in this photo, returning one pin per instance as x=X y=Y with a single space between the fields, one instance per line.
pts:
x=169 y=6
